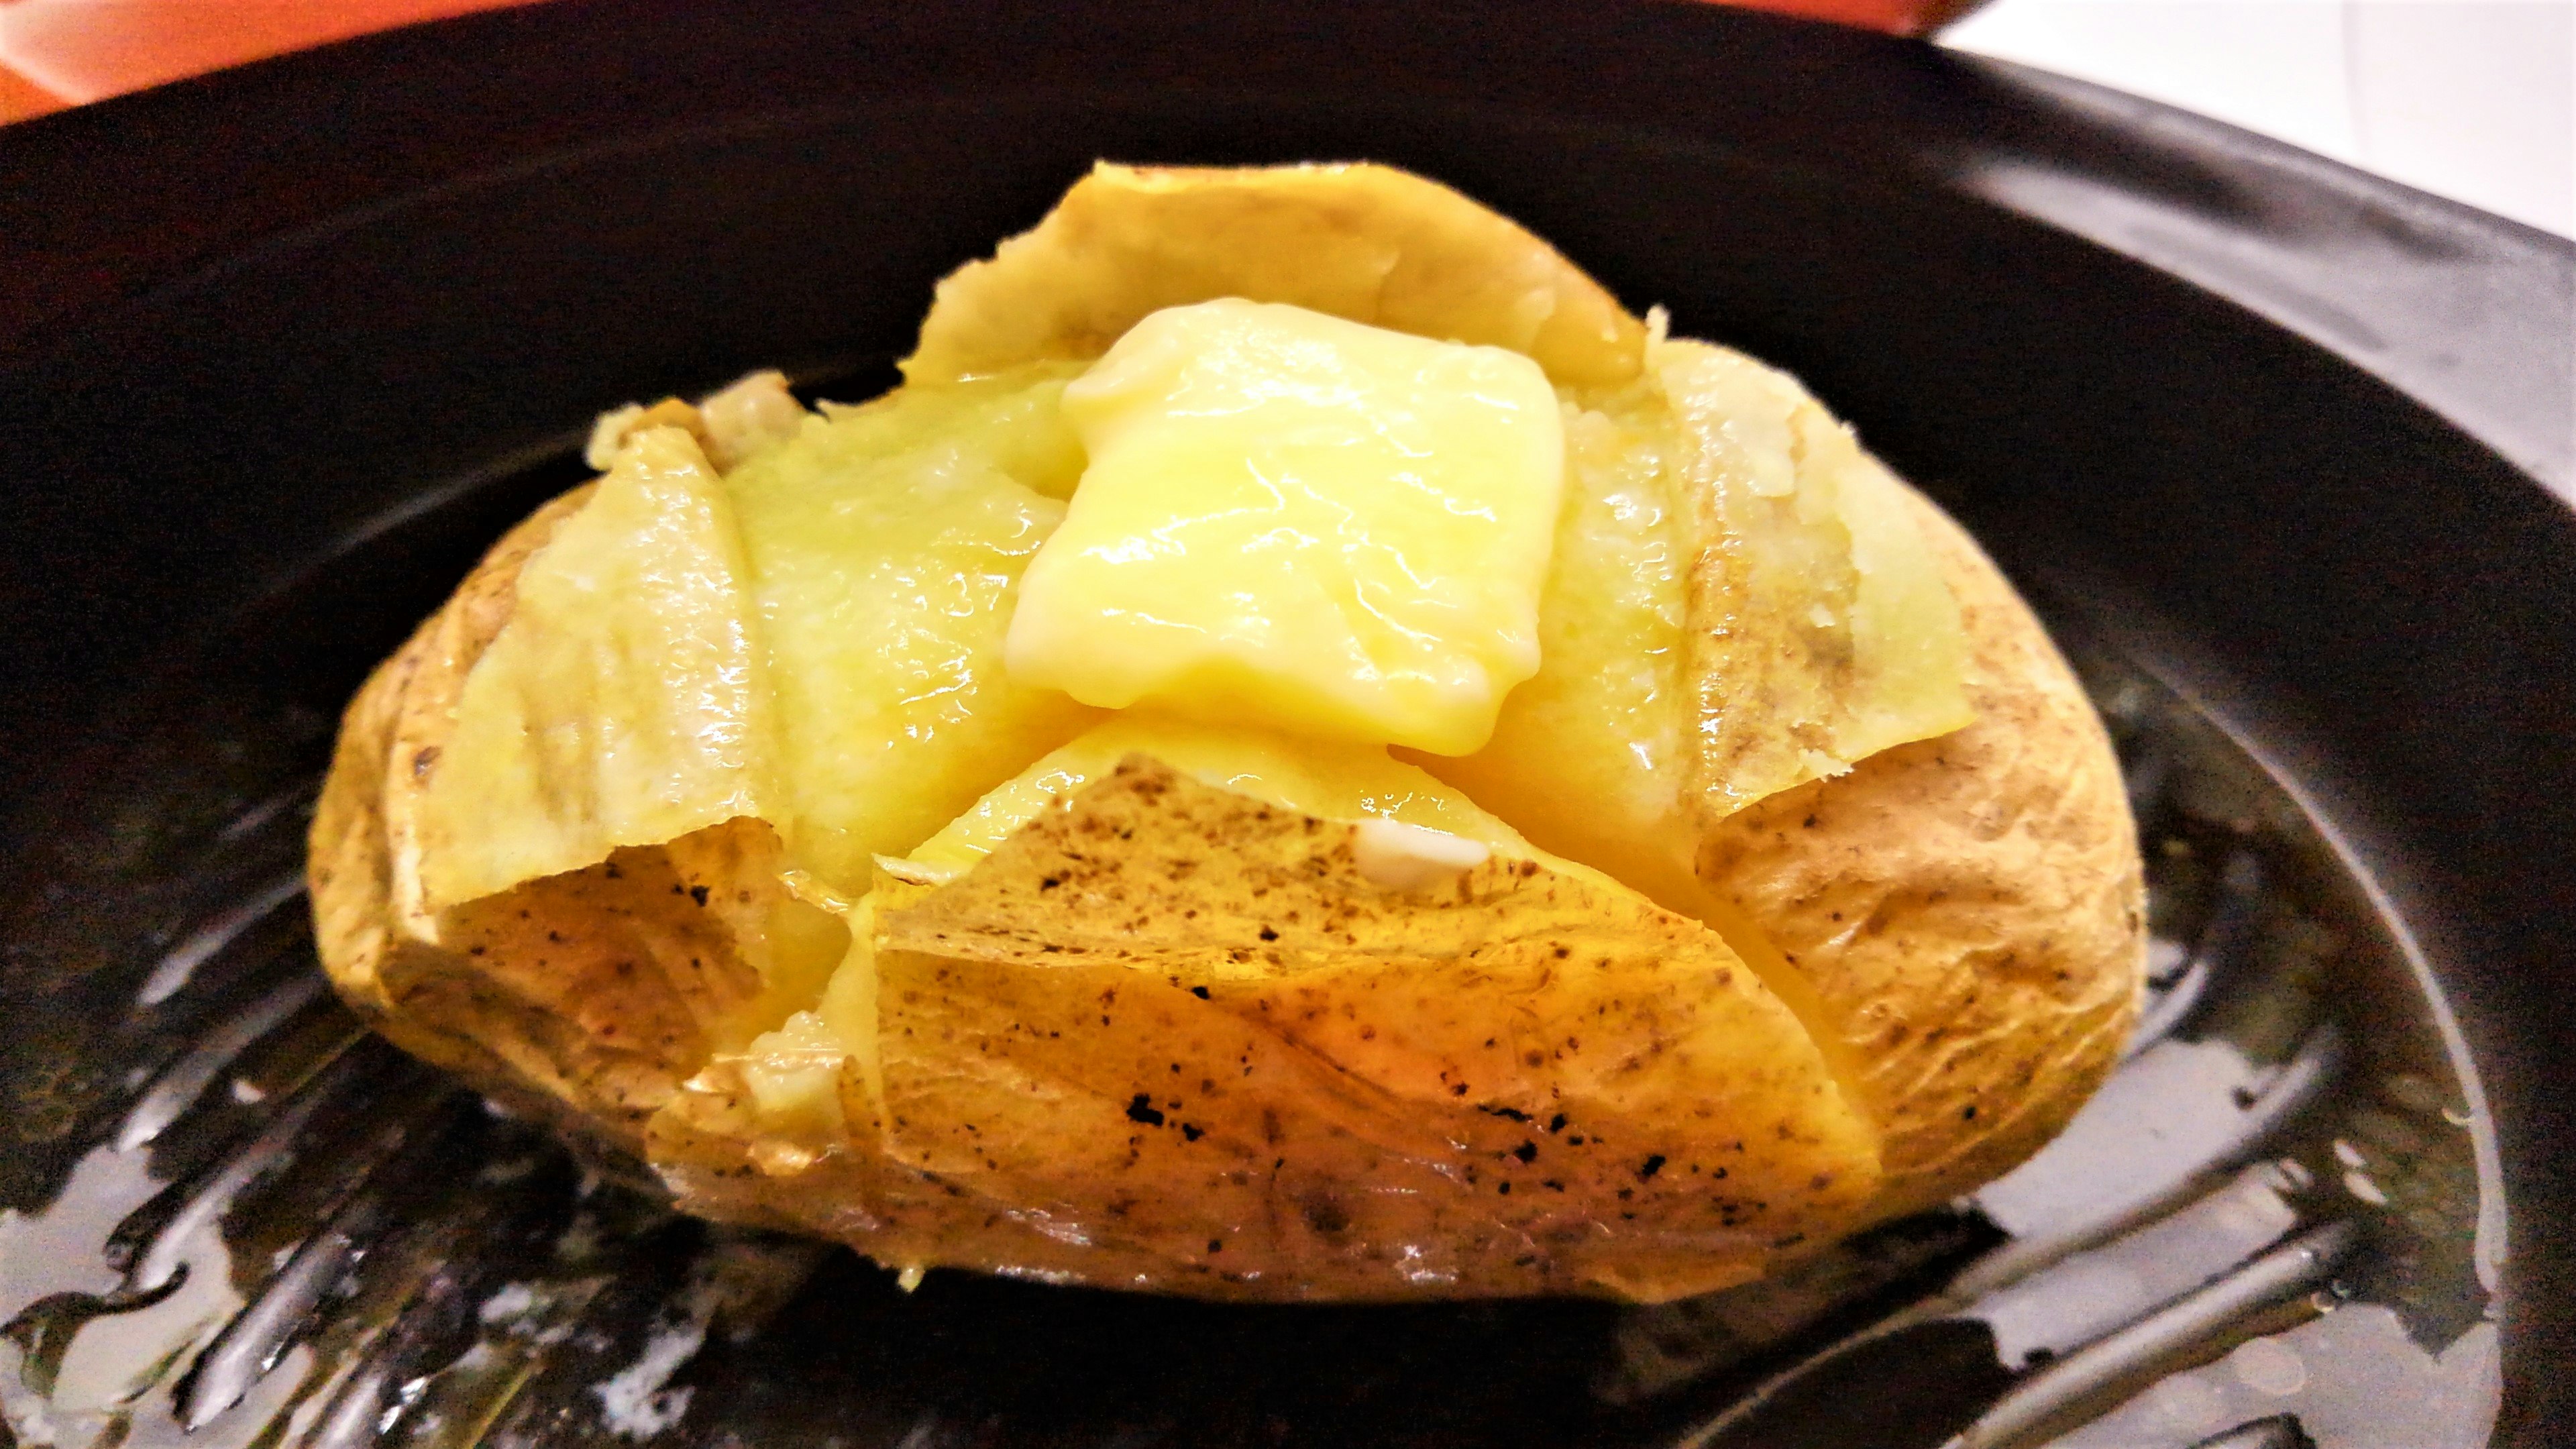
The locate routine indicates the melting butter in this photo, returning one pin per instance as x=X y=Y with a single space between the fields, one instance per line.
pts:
x=1333 y=529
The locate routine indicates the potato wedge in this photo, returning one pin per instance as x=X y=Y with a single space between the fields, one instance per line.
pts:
x=1186 y=1027
x=583 y=997
x=1363 y=242
x=624 y=702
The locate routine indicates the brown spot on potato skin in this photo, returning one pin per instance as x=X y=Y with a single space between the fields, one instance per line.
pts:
x=1325 y=1215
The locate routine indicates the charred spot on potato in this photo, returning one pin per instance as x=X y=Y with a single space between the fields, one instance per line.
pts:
x=1324 y=1215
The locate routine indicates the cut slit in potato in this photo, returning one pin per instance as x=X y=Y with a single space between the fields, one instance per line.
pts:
x=1339 y=782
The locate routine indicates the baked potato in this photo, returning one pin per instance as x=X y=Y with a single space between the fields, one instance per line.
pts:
x=1791 y=890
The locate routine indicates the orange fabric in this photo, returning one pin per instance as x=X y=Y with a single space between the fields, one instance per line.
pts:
x=1896 y=17
x=21 y=97
x=83 y=50
x=63 y=52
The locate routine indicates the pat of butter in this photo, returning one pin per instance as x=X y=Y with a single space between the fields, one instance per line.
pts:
x=1300 y=522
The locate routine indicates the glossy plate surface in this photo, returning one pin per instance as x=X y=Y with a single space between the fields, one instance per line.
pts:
x=280 y=351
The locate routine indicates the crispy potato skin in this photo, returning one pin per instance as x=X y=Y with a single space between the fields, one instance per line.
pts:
x=1969 y=910
x=581 y=999
x=1232 y=1051
x=1233 y=1066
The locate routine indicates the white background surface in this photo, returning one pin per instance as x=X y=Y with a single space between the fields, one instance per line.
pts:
x=2470 y=99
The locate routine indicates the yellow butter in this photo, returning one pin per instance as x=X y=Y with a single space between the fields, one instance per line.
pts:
x=1326 y=527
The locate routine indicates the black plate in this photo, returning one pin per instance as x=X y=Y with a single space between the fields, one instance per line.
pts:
x=280 y=349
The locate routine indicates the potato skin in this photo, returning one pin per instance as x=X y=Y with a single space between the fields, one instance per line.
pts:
x=581 y=999
x=1356 y=240
x=1185 y=1020
x=1970 y=909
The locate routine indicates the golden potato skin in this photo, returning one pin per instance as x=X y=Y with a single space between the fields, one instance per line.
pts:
x=1356 y=240
x=581 y=999
x=1969 y=910
x=1183 y=1026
